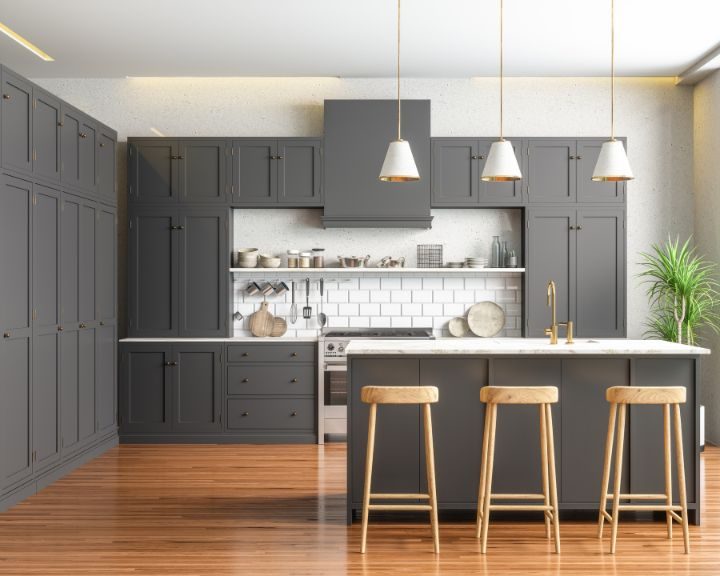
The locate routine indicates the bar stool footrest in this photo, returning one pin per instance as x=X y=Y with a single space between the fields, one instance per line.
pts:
x=638 y=496
x=517 y=496
x=649 y=508
x=397 y=496
x=400 y=507
x=522 y=507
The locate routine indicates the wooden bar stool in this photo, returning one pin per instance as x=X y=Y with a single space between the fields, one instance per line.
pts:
x=666 y=396
x=543 y=396
x=424 y=395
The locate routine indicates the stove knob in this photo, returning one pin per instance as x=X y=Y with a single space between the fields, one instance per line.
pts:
x=331 y=347
x=341 y=348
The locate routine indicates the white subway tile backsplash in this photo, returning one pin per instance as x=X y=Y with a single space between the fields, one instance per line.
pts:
x=411 y=309
x=483 y=295
x=400 y=296
x=372 y=309
x=412 y=283
x=380 y=296
x=337 y=296
x=391 y=309
x=465 y=296
x=474 y=283
x=348 y=309
x=359 y=322
x=432 y=309
x=401 y=322
x=359 y=296
x=338 y=322
x=513 y=283
x=422 y=322
x=432 y=283
x=422 y=296
x=453 y=309
x=443 y=296
x=454 y=283
x=369 y=283
x=495 y=283
x=505 y=295
x=390 y=283
x=380 y=322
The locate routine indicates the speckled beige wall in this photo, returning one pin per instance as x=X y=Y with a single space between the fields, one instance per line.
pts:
x=653 y=113
x=707 y=224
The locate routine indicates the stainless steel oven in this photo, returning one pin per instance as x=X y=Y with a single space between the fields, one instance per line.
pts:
x=332 y=362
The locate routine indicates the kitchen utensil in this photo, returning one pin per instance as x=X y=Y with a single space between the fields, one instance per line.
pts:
x=458 y=327
x=281 y=288
x=267 y=289
x=322 y=318
x=486 y=319
x=353 y=261
x=262 y=322
x=252 y=289
x=293 y=307
x=307 y=310
x=237 y=316
x=279 y=327
x=390 y=262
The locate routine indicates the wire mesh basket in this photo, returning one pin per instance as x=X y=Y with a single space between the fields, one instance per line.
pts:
x=430 y=256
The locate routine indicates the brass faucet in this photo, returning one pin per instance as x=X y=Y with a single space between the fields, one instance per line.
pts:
x=553 y=330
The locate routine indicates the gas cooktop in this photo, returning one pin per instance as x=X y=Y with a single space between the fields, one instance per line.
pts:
x=387 y=333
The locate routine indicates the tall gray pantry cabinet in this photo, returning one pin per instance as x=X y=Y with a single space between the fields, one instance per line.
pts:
x=58 y=244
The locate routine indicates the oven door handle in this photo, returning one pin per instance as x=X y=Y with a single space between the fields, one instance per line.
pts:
x=335 y=367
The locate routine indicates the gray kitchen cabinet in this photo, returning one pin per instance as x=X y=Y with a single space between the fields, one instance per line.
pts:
x=69 y=389
x=16 y=127
x=46 y=136
x=551 y=170
x=86 y=383
x=153 y=171
x=87 y=166
x=86 y=261
x=145 y=388
x=595 y=192
x=202 y=168
x=299 y=177
x=46 y=399
x=105 y=263
x=457 y=165
x=106 y=169
x=197 y=378
x=70 y=146
x=70 y=259
x=105 y=376
x=458 y=416
x=583 y=251
x=255 y=171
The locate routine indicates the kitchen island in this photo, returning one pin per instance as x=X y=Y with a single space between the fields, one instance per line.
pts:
x=460 y=367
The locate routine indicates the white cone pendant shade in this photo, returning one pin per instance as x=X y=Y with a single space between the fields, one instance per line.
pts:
x=399 y=165
x=612 y=164
x=501 y=164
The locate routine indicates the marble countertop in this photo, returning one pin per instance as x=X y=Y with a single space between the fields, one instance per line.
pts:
x=521 y=347
x=228 y=340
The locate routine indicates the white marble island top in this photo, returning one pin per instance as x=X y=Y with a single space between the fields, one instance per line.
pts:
x=521 y=347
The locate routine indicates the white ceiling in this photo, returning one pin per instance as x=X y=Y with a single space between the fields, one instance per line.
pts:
x=355 y=38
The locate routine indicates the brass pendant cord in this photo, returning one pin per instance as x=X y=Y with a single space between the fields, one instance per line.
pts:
x=501 y=69
x=612 y=69
x=399 y=137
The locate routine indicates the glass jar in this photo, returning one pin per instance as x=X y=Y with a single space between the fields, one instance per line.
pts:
x=293 y=258
x=318 y=256
x=305 y=260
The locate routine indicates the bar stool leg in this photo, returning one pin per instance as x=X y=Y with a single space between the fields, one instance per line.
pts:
x=668 y=468
x=430 y=465
x=553 y=477
x=680 y=459
x=483 y=472
x=544 y=464
x=488 y=476
x=606 y=467
x=618 y=477
x=368 y=475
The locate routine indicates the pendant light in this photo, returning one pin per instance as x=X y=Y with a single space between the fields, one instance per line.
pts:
x=612 y=164
x=399 y=165
x=501 y=164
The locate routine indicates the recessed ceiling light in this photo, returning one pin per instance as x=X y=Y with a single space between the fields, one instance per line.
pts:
x=25 y=43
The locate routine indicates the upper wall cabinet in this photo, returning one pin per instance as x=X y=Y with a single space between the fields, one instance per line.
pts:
x=560 y=171
x=269 y=171
x=17 y=100
x=457 y=165
x=106 y=166
x=46 y=136
x=163 y=171
x=77 y=150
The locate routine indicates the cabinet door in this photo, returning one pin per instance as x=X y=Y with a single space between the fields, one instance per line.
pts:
x=646 y=424
x=70 y=147
x=106 y=167
x=152 y=272
x=69 y=390
x=203 y=259
x=196 y=390
x=458 y=421
x=86 y=261
x=105 y=263
x=69 y=260
x=88 y=144
x=46 y=136
x=550 y=256
x=255 y=171
x=587 y=190
x=17 y=142
x=15 y=253
x=499 y=193
x=517 y=445
x=46 y=257
x=299 y=173
x=145 y=394
x=46 y=398
x=153 y=171
x=202 y=171
x=551 y=171
x=397 y=448
x=455 y=174
x=15 y=409
x=86 y=383
x=600 y=282
x=105 y=374
x=584 y=424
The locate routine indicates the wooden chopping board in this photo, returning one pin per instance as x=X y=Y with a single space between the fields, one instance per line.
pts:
x=262 y=322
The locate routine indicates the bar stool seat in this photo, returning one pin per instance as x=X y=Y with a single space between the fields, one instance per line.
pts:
x=422 y=395
x=619 y=398
x=543 y=397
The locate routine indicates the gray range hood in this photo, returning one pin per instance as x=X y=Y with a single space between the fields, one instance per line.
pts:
x=357 y=134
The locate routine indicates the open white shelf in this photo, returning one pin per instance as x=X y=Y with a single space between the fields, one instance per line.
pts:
x=375 y=271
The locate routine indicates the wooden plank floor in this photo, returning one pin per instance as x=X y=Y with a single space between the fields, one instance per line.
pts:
x=221 y=510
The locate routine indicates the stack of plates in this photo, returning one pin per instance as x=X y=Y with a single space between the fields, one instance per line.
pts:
x=247 y=258
x=476 y=262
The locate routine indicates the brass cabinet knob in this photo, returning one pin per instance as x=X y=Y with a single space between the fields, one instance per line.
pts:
x=572 y=227
x=246 y=413
x=60 y=328
x=293 y=380
x=293 y=413
x=245 y=354
x=294 y=354
x=279 y=157
x=102 y=323
x=82 y=135
x=102 y=145
x=245 y=380
x=6 y=96
x=83 y=325
x=578 y=157
x=61 y=124
x=579 y=227
x=6 y=334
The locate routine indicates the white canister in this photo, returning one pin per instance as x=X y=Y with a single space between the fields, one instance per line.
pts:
x=293 y=258
x=305 y=259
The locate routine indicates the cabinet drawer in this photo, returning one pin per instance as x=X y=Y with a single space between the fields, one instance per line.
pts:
x=269 y=414
x=271 y=353
x=271 y=379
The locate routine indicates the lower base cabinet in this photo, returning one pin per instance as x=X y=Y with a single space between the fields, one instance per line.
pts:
x=220 y=393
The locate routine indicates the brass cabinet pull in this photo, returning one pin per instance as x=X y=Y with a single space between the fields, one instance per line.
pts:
x=102 y=145
x=6 y=96
x=246 y=413
x=279 y=157
x=572 y=227
x=60 y=328
x=578 y=157
x=293 y=380
x=579 y=227
x=245 y=354
x=6 y=334
x=83 y=325
x=181 y=157
x=61 y=124
x=82 y=135
x=293 y=413
x=245 y=380
x=102 y=323
x=294 y=354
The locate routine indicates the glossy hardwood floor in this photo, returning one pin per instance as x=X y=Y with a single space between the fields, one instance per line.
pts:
x=221 y=510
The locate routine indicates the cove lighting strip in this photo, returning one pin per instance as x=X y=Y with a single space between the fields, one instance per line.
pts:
x=10 y=33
